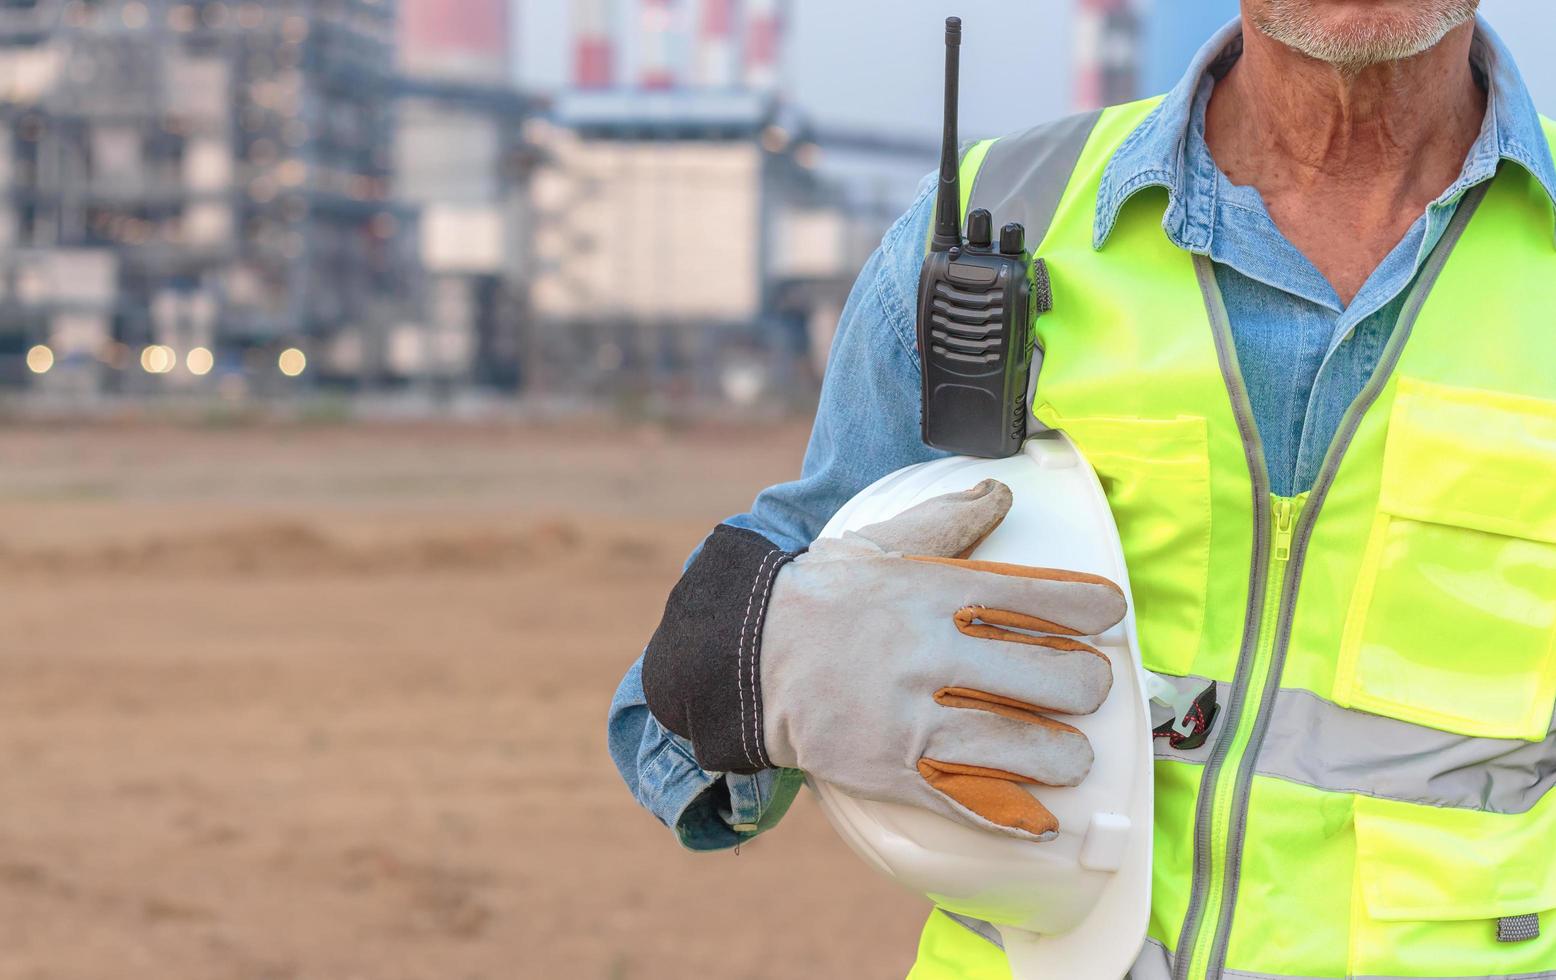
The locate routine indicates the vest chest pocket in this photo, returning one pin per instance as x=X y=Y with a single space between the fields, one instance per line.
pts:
x=1157 y=476
x=1453 y=621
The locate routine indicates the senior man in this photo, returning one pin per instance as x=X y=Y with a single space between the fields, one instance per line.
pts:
x=1304 y=327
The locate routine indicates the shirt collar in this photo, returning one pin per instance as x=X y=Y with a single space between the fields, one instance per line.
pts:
x=1154 y=154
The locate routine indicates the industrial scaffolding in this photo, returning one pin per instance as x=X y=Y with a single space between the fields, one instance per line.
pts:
x=188 y=189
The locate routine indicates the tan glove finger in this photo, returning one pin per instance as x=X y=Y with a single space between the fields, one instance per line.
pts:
x=994 y=795
x=946 y=526
x=1052 y=674
x=1071 y=603
x=1008 y=736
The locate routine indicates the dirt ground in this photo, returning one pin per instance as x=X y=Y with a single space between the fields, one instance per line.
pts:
x=329 y=702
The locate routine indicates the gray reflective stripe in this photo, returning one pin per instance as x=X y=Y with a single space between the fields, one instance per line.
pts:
x=1312 y=741
x=983 y=930
x=1253 y=614
x=1024 y=176
x=1339 y=750
x=1155 y=963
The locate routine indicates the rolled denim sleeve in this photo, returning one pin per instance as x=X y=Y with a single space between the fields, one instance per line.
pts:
x=867 y=425
x=707 y=810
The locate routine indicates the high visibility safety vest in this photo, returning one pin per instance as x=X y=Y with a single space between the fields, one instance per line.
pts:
x=1374 y=801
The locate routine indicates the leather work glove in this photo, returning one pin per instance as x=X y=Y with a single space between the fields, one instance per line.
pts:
x=886 y=665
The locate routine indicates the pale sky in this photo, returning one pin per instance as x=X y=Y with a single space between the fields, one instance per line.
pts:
x=876 y=63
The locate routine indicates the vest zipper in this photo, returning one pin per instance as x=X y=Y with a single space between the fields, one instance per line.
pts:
x=1293 y=521
x=1225 y=800
x=1285 y=517
x=1210 y=833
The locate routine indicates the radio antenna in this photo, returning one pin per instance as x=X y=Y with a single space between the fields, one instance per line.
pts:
x=948 y=209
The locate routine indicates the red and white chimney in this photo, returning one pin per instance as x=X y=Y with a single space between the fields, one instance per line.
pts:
x=764 y=43
x=464 y=41
x=1107 y=53
x=657 y=63
x=594 y=47
x=716 y=44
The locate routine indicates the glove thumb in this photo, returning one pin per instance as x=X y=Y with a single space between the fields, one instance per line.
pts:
x=948 y=526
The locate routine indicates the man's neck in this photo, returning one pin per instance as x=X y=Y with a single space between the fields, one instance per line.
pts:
x=1354 y=156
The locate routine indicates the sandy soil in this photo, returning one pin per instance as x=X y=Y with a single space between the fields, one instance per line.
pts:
x=329 y=703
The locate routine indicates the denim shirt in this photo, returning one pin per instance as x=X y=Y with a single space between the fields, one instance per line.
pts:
x=1304 y=355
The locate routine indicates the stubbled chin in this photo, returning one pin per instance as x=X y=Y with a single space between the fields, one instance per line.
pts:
x=1356 y=34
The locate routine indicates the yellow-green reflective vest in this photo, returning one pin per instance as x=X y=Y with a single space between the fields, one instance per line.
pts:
x=1375 y=800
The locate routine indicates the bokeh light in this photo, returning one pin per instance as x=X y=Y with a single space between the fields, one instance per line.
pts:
x=158 y=359
x=199 y=361
x=292 y=362
x=39 y=359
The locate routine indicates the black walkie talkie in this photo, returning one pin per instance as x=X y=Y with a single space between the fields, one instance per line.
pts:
x=975 y=307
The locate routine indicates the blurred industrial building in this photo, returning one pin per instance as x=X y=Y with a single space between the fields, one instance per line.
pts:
x=684 y=238
x=462 y=165
x=207 y=198
x=192 y=190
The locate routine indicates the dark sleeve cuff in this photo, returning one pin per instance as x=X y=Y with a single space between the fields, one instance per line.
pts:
x=701 y=676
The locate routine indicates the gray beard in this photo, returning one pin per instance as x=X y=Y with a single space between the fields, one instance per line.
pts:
x=1292 y=23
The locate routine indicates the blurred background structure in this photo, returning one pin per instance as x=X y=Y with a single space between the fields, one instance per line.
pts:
x=430 y=202
x=196 y=190
x=244 y=200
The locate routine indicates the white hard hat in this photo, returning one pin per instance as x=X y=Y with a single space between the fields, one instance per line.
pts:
x=1074 y=907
